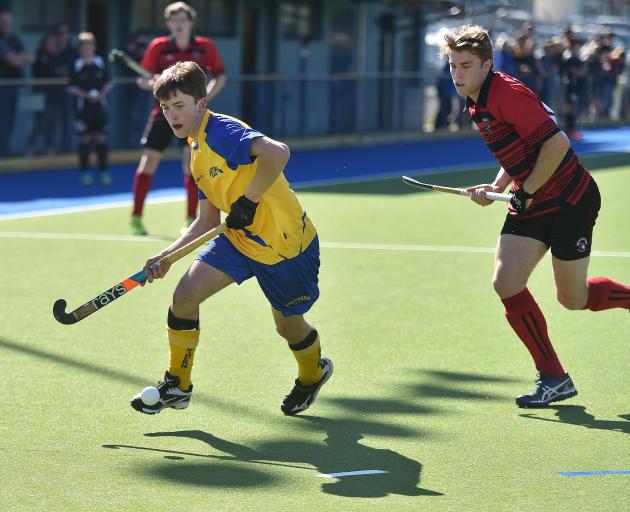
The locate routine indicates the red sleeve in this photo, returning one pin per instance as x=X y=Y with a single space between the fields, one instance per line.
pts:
x=214 y=64
x=522 y=109
x=149 y=61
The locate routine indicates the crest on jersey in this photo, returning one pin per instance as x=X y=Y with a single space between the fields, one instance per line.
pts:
x=215 y=171
x=484 y=125
x=581 y=244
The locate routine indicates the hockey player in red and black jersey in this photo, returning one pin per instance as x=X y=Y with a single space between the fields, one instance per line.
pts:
x=162 y=53
x=554 y=205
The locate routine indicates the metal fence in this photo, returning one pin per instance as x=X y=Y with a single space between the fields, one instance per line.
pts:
x=278 y=105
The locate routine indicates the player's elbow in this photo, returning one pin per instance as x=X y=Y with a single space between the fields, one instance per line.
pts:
x=279 y=154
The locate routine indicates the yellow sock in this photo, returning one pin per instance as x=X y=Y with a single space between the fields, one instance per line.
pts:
x=307 y=353
x=182 y=345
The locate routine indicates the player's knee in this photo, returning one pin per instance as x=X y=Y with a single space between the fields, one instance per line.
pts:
x=571 y=301
x=184 y=300
x=285 y=331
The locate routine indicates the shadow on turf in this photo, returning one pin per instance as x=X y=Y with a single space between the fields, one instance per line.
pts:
x=577 y=415
x=340 y=451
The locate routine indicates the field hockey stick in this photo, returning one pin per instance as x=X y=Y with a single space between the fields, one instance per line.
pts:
x=125 y=286
x=493 y=196
x=121 y=56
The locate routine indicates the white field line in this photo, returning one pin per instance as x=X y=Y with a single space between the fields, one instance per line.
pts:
x=325 y=245
x=353 y=473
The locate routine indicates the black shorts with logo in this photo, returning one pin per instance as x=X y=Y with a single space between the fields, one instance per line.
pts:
x=91 y=119
x=158 y=135
x=568 y=231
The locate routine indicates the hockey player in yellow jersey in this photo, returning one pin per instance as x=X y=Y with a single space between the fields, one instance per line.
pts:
x=238 y=171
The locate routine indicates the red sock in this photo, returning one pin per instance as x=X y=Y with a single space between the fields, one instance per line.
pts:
x=527 y=320
x=604 y=293
x=192 y=193
x=141 y=186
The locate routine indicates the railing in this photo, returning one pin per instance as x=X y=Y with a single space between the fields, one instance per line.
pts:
x=279 y=105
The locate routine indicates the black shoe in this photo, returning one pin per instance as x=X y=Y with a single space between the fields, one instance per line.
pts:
x=302 y=397
x=548 y=390
x=170 y=396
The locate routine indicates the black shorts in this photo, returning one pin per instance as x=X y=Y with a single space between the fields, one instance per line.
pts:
x=158 y=135
x=91 y=120
x=568 y=231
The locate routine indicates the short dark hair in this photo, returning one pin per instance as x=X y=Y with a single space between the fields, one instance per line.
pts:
x=472 y=38
x=186 y=77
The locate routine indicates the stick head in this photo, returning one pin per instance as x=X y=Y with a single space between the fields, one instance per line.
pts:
x=59 y=312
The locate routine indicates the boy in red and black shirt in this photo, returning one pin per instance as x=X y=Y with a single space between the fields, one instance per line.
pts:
x=162 y=53
x=554 y=205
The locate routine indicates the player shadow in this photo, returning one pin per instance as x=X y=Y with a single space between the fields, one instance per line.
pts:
x=577 y=415
x=340 y=451
x=456 y=385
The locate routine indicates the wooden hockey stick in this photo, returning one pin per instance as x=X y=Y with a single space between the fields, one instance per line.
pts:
x=126 y=285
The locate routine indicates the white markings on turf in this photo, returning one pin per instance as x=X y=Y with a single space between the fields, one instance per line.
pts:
x=352 y=473
x=79 y=236
x=325 y=245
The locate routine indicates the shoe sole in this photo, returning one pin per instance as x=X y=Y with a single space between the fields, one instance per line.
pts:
x=178 y=406
x=542 y=406
x=321 y=385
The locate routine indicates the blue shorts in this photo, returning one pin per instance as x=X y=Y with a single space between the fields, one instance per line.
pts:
x=290 y=285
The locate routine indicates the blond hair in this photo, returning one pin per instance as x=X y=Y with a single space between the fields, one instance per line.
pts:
x=86 y=37
x=177 y=7
x=472 y=38
x=186 y=77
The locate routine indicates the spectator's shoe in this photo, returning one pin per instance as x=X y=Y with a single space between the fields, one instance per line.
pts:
x=575 y=135
x=136 y=226
x=301 y=397
x=86 y=178
x=189 y=221
x=170 y=396
x=548 y=390
x=105 y=178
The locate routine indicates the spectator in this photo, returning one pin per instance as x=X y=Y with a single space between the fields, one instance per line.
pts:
x=137 y=102
x=68 y=54
x=47 y=121
x=89 y=83
x=446 y=92
x=551 y=67
x=573 y=71
x=13 y=57
x=617 y=66
x=526 y=65
x=504 y=55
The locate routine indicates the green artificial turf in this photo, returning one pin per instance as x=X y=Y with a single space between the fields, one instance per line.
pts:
x=426 y=370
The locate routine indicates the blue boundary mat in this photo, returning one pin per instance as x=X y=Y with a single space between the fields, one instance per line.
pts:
x=596 y=473
x=49 y=191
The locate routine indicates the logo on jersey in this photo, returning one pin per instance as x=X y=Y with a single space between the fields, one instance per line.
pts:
x=581 y=244
x=484 y=125
x=198 y=178
x=215 y=171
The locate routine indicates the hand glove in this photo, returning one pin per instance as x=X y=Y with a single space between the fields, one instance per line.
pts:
x=241 y=213
x=519 y=200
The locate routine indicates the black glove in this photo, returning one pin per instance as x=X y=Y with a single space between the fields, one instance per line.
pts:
x=241 y=213
x=519 y=200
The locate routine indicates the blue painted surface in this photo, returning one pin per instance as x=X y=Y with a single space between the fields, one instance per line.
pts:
x=44 y=190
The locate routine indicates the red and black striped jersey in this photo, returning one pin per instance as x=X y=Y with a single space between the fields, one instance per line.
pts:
x=162 y=53
x=514 y=123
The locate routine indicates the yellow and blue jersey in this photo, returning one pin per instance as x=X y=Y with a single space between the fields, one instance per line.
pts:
x=223 y=168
